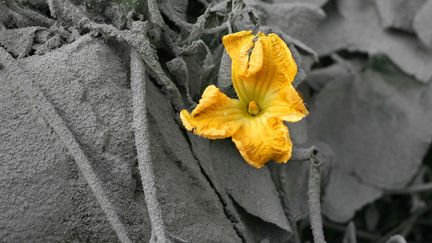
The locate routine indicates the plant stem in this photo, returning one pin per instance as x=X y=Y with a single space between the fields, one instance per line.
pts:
x=414 y=189
x=314 y=193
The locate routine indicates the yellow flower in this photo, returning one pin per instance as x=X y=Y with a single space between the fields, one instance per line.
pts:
x=262 y=73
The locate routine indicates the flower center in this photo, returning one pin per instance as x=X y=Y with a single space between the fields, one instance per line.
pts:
x=253 y=108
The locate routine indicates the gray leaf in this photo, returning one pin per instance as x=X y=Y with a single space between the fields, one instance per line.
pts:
x=95 y=107
x=356 y=116
x=398 y=14
x=298 y=20
x=190 y=205
x=199 y=63
x=255 y=192
x=224 y=81
x=422 y=22
x=18 y=41
x=315 y=2
x=357 y=28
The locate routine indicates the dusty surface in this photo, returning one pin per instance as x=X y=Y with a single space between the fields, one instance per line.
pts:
x=92 y=149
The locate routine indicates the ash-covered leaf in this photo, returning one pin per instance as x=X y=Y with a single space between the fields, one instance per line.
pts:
x=191 y=207
x=422 y=24
x=398 y=14
x=96 y=108
x=252 y=202
x=317 y=79
x=315 y=2
x=298 y=20
x=199 y=60
x=298 y=132
x=117 y=13
x=355 y=25
x=224 y=81
x=303 y=54
x=18 y=41
x=293 y=181
x=38 y=174
x=251 y=188
x=178 y=68
x=175 y=7
x=377 y=122
x=192 y=68
x=259 y=230
x=52 y=43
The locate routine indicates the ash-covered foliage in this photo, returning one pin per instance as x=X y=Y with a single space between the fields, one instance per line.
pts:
x=92 y=149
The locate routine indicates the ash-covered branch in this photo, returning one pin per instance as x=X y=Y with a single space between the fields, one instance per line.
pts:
x=304 y=153
x=314 y=202
x=143 y=147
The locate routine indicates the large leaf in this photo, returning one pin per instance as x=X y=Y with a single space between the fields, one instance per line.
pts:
x=255 y=192
x=378 y=123
x=398 y=14
x=355 y=25
x=85 y=83
x=298 y=20
x=96 y=108
x=253 y=200
x=191 y=207
x=422 y=24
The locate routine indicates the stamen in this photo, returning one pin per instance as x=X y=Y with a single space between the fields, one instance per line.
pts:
x=253 y=108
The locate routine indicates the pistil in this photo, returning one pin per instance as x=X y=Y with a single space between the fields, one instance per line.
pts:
x=253 y=108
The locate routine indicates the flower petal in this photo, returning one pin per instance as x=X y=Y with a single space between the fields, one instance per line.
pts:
x=238 y=46
x=260 y=140
x=216 y=116
x=260 y=66
x=287 y=105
